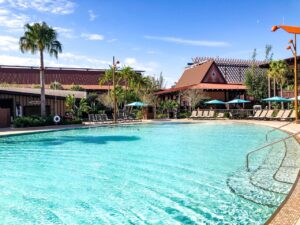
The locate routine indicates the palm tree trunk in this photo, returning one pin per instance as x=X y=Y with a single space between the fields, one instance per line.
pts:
x=269 y=90
x=42 y=83
x=274 y=83
x=281 y=94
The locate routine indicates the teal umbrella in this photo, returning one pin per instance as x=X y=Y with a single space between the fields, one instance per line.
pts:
x=276 y=99
x=237 y=101
x=293 y=99
x=215 y=102
x=137 y=104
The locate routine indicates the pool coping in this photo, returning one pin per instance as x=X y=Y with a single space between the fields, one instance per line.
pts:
x=277 y=218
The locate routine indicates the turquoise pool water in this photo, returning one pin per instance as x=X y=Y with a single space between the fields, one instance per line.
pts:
x=141 y=174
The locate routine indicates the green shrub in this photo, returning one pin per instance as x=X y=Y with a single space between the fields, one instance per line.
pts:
x=184 y=115
x=139 y=115
x=36 y=121
x=76 y=87
x=162 y=116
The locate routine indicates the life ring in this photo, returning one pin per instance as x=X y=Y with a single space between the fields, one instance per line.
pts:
x=56 y=119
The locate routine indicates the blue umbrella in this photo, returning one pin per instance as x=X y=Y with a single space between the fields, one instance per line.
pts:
x=215 y=102
x=293 y=99
x=137 y=104
x=237 y=101
x=276 y=99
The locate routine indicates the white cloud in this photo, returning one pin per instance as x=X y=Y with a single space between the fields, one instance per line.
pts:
x=61 y=7
x=9 y=43
x=65 y=32
x=93 y=37
x=11 y=20
x=92 y=15
x=149 y=67
x=188 y=42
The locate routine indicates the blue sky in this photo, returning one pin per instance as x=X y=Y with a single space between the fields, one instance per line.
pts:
x=152 y=35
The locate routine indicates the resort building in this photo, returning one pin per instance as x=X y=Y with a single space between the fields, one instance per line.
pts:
x=219 y=78
x=20 y=92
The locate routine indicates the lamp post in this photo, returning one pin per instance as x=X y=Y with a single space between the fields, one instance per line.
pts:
x=114 y=66
x=293 y=47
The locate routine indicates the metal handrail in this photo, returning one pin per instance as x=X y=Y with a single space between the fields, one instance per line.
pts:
x=277 y=128
x=267 y=145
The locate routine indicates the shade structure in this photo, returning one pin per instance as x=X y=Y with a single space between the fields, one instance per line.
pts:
x=215 y=102
x=237 y=101
x=293 y=99
x=276 y=99
x=137 y=104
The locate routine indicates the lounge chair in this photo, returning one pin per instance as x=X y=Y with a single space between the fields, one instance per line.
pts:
x=105 y=118
x=205 y=114
x=98 y=118
x=210 y=114
x=263 y=114
x=91 y=117
x=220 y=115
x=256 y=114
x=194 y=114
x=293 y=115
x=286 y=114
x=270 y=114
x=279 y=114
x=199 y=114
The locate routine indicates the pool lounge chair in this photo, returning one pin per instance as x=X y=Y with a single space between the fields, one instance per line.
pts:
x=199 y=114
x=293 y=115
x=210 y=114
x=91 y=117
x=263 y=114
x=205 y=114
x=98 y=118
x=270 y=114
x=279 y=114
x=286 y=114
x=256 y=114
x=194 y=114
x=105 y=118
x=220 y=115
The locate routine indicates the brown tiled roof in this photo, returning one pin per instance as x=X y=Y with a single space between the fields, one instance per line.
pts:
x=65 y=76
x=233 y=70
x=48 y=92
x=194 y=74
x=205 y=86
x=208 y=86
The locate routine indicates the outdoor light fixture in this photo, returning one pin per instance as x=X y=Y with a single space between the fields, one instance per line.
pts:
x=293 y=47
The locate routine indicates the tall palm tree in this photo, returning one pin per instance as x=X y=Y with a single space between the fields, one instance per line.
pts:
x=40 y=38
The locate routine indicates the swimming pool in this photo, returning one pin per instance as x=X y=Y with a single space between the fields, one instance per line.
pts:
x=141 y=174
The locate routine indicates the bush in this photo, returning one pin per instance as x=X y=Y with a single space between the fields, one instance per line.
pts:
x=162 y=116
x=36 y=121
x=76 y=87
x=184 y=115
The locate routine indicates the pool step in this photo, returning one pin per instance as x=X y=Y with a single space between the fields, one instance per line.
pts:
x=240 y=184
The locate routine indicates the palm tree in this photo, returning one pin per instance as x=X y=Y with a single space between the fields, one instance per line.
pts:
x=40 y=38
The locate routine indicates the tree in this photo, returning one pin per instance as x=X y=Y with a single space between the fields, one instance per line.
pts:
x=40 y=38
x=56 y=86
x=170 y=105
x=74 y=109
x=256 y=80
x=268 y=58
x=76 y=87
x=194 y=96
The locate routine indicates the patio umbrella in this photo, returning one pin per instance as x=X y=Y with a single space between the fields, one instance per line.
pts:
x=276 y=99
x=293 y=99
x=137 y=104
x=237 y=101
x=215 y=102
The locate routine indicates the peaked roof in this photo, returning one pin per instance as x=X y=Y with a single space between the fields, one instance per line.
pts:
x=194 y=74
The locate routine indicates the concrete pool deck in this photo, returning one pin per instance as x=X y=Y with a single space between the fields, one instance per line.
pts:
x=288 y=213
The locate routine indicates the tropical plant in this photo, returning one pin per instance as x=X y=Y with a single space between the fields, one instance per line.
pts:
x=168 y=106
x=278 y=71
x=40 y=38
x=76 y=87
x=256 y=80
x=56 y=86
x=76 y=109
x=194 y=96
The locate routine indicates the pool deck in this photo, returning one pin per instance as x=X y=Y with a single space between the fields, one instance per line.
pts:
x=288 y=213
